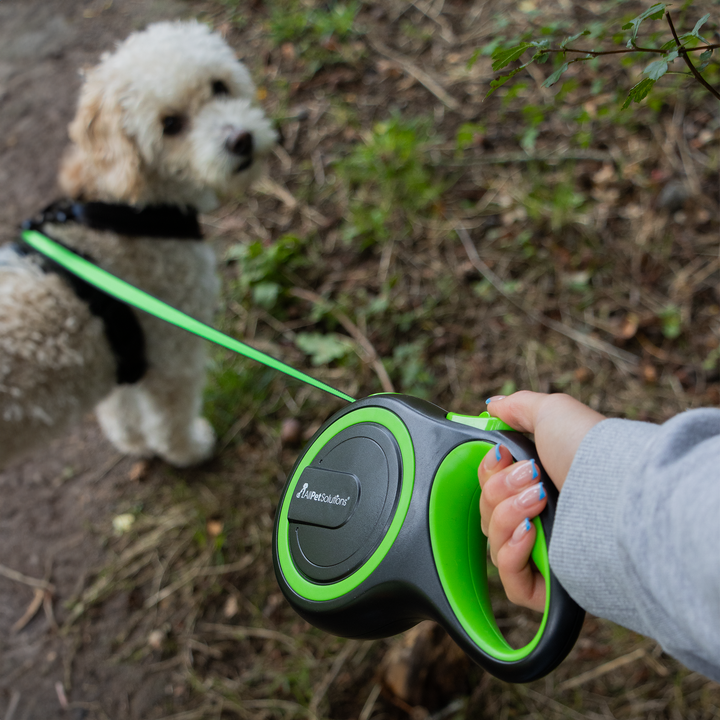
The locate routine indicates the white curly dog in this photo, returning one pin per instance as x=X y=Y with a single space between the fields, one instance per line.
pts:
x=166 y=126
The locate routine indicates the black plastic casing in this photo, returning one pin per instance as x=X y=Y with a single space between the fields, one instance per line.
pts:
x=405 y=588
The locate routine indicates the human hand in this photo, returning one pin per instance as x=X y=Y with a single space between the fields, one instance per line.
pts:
x=511 y=492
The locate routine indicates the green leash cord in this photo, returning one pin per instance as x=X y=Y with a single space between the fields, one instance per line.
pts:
x=131 y=295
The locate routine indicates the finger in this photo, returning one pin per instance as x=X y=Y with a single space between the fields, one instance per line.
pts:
x=495 y=459
x=518 y=410
x=523 y=584
x=504 y=484
x=511 y=512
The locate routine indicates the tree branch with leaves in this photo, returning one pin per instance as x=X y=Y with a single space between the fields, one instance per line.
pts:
x=679 y=46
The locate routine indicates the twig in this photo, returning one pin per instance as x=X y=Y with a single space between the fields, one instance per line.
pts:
x=106 y=469
x=354 y=332
x=31 y=612
x=564 y=710
x=594 y=344
x=422 y=77
x=551 y=157
x=12 y=705
x=684 y=53
x=369 y=705
x=634 y=48
x=61 y=696
x=327 y=681
x=601 y=670
x=454 y=707
x=275 y=704
x=11 y=574
x=197 y=572
x=237 y=632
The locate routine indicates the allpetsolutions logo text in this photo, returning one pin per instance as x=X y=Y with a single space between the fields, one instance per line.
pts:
x=322 y=497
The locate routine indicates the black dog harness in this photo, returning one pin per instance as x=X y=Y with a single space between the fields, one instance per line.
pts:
x=122 y=329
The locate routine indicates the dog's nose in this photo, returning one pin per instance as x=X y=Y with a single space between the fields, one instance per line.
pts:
x=240 y=143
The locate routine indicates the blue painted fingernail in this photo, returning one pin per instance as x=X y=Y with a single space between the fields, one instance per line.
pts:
x=542 y=492
x=498 y=457
x=535 y=473
x=520 y=532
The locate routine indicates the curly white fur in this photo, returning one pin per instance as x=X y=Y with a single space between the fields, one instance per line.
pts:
x=167 y=118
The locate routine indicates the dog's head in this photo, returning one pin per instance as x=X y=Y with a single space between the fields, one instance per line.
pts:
x=169 y=117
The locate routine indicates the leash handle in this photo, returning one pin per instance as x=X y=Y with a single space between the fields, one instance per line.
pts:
x=379 y=528
x=131 y=295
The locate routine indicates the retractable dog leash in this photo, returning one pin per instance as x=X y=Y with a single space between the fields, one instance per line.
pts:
x=378 y=526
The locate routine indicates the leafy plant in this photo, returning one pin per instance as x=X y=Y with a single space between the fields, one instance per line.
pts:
x=678 y=47
x=388 y=180
x=671 y=320
x=235 y=384
x=293 y=21
x=559 y=204
x=410 y=364
x=319 y=31
x=324 y=348
x=262 y=267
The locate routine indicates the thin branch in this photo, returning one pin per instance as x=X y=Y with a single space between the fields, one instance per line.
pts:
x=602 y=670
x=683 y=52
x=624 y=51
x=11 y=574
x=420 y=75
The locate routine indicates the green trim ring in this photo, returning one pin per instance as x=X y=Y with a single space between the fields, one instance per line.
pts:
x=460 y=550
x=314 y=591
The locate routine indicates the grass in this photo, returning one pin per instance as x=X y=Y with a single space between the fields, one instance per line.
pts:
x=413 y=234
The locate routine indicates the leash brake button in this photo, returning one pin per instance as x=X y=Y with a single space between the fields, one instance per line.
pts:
x=326 y=498
x=481 y=422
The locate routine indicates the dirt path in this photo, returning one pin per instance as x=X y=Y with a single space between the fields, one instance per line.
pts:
x=51 y=505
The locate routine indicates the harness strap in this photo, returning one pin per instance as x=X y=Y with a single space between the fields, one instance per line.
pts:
x=122 y=328
x=155 y=221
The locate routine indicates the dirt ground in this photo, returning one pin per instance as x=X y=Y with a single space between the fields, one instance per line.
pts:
x=49 y=505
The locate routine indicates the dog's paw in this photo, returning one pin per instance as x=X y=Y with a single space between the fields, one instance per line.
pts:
x=198 y=448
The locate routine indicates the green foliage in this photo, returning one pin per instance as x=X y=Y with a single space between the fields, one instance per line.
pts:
x=409 y=365
x=653 y=13
x=639 y=92
x=671 y=320
x=670 y=51
x=556 y=204
x=324 y=348
x=295 y=22
x=263 y=267
x=234 y=384
x=467 y=134
x=319 y=31
x=388 y=180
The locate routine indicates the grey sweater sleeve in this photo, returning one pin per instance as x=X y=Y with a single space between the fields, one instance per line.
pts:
x=637 y=532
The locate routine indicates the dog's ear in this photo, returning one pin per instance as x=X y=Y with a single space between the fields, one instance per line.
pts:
x=103 y=163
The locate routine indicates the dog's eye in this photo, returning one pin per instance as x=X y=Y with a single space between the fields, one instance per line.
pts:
x=173 y=124
x=220 y=88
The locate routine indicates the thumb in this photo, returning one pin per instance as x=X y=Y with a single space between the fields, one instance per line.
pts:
x=558 y=422
x=519 y=410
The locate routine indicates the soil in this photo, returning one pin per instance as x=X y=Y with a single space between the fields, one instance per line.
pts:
x=51 y=504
